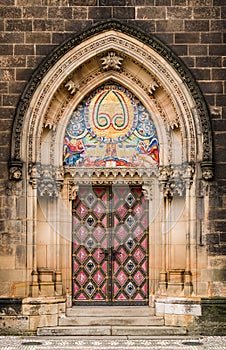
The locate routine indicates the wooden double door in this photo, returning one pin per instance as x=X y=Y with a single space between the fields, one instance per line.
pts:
x=110 y=246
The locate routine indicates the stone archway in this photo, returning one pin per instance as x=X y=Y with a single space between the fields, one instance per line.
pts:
x=112 y=52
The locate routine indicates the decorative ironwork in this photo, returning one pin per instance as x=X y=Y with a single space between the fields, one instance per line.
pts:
x=109 y=256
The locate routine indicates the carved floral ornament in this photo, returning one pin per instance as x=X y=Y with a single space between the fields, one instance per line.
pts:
x=58 y=69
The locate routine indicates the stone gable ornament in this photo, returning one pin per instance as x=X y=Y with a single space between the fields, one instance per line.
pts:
x=112 y=61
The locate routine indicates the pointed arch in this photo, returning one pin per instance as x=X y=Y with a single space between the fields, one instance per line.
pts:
x=147 y=67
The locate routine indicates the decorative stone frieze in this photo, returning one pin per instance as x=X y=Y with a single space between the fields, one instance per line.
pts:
x=113 y=173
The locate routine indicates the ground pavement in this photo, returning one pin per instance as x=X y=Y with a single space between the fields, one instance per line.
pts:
x=113 y=343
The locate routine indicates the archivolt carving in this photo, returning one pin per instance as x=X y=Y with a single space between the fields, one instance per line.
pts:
x=128 y=46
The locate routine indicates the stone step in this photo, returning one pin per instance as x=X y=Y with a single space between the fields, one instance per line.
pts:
x=111 y=331
x=111 y=321
x=89 y=311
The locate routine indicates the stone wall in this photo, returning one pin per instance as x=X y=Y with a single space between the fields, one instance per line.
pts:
x=31 y=29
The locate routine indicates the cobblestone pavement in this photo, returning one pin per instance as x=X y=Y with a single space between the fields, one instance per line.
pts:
x=113 y=343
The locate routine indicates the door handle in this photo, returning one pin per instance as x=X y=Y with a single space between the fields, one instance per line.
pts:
x=105 y=253
x=115 y=253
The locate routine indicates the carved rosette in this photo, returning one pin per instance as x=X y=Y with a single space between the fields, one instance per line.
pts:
x=47 y=179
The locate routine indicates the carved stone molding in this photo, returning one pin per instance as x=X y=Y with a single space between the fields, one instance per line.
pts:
x=111 y=173
x=153 y=43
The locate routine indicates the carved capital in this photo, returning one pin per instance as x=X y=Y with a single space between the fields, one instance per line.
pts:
x=47 y=179
x=207 y=170
x=175 y=179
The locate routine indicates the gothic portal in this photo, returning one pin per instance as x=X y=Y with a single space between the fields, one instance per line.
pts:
x=112 y=145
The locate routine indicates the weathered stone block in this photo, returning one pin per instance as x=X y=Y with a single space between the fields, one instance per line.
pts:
x=179 y=320
x=60 y=12
x=212 y=239
x=24 y=49
x=170 y=26
x=201 y=73
x=113 y=3
x=42 y=321
x=151 y=12
x=7 y=2
x=37 y=38
x=14 y=325
x=23 y=73
x=99 y=12
x=181 y=50
x=211 y=37
x=48 y=25
x=213 y=319
x=29 y=2
x=148 y=26
x=217 y=50
x=119 y=12
x=212 y=87
x=10 y=12
x=179 y=12
x=198 y=50
x=83 y=2
x=207 y=12
x=6 y=50
x=40 y=309
x=35 y=12
x=186 y=38
x=200 y=2
x=80 y=13
x=74 y=26
x=20 y=25
x=44 y=49
x=219 y=73
x=196 y=25
x=208 y=61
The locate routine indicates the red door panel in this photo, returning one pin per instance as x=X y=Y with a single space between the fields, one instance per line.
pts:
x=110 y=246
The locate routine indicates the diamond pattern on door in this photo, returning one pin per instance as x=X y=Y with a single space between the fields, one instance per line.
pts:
x=110 y=246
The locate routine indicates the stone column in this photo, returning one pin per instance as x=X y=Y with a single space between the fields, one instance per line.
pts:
x=188 y=288
x=34 y=177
